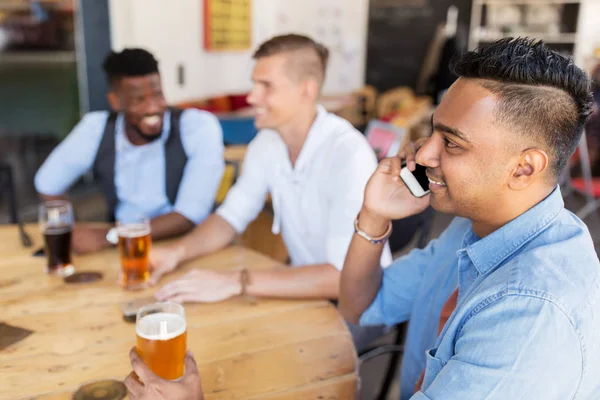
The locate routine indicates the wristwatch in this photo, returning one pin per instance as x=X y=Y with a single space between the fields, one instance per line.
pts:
x=112 y=236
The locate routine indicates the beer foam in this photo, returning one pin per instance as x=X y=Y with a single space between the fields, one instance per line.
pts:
x=149 y=327
x=133 y=230
x=57 y=230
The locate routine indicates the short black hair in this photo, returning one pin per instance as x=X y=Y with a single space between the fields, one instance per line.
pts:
x=129 y=63
x=541 y=92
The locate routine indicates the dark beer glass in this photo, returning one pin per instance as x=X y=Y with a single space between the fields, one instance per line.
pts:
x=56 y=225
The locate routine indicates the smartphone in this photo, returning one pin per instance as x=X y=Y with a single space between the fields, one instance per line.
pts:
x=416 y=181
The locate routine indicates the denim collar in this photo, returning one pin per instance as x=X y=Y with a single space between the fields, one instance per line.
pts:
x=489 y=252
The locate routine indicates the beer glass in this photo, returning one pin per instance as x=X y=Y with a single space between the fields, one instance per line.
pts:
x=161 y=338
x=56 y=224
x=134 y=249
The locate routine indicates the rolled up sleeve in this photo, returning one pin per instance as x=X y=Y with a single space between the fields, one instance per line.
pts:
x=399 y=286
x=247 y=197
x=73 y=157
x=202 y=139
x=504 y=351
x=401 y=281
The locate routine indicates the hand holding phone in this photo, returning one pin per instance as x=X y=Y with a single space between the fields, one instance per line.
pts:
x=387 y=197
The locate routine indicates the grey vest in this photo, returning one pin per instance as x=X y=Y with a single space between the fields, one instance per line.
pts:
x=104 y=164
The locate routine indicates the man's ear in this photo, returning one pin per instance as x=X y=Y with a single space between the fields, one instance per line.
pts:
x=113 y=101
x=531 y=166
x=312 y=89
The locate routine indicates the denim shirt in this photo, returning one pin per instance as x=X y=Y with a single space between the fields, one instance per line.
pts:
x=527 y=321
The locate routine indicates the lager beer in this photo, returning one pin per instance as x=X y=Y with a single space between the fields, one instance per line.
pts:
x=134 y=248
x=162 y=339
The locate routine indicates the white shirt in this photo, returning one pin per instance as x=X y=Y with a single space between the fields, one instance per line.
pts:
x=316 y=201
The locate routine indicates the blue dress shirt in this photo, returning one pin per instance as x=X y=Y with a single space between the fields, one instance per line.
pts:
x=140 y=170
x=527 y=321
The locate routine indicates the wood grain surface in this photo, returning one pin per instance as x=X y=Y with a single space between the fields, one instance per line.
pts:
x=268 y=349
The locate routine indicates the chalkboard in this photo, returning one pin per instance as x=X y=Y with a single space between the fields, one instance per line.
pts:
x=399 y=34
x=95 y=30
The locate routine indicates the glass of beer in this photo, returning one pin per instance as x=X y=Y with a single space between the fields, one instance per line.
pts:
x=134 y=248
x=161 y=338
x=56 y=224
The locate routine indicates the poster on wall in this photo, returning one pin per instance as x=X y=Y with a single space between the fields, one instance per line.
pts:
x=227 y=25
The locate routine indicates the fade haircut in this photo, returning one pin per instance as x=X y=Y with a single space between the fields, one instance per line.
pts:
x=542 y=94
x=308 y=59
x=129 y=63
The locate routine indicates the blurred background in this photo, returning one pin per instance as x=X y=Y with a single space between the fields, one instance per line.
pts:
x=388 y=69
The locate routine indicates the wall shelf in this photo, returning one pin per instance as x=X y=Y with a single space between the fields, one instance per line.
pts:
x=524 y=2
x=37 y=57
x=486 y=26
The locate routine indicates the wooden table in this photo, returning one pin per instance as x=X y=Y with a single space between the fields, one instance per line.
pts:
x=272 y=349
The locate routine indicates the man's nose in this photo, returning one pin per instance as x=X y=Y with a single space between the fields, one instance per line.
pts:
x=252 y=97
x=429 y=154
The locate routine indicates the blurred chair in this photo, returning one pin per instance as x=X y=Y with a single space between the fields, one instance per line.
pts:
x=586 y=185
x=419 y=228
x=394 y=100
x=237 y=129
x=230 y=175
x=412 y=113
x=362 y=109
x=235 y=116
x=7 y=189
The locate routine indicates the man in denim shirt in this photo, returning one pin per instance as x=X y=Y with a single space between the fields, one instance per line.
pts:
x=527 y=318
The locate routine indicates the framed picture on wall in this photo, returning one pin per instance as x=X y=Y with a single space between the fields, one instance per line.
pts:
x=227 y=25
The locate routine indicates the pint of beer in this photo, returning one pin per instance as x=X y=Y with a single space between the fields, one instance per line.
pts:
x=162 y=338
x=56 y=224
x=134 y=247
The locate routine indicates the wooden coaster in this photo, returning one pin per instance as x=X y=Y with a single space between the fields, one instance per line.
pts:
x=84 y=277
x=101 y=390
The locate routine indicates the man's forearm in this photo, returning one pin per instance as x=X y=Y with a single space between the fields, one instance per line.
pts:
x=170 y=225
x=319 y=281
x=361 y=276
x=211 y=235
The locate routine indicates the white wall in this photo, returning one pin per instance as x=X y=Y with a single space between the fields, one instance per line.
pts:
x=588 y=33
x=174 y=33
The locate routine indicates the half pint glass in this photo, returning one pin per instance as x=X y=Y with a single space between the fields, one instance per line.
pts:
x=134 y=249
x=162 y=338
x=56 y=224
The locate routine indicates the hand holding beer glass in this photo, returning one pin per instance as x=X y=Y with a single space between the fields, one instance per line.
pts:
x=56 y=224
x=161 y=334
x=134 y=247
